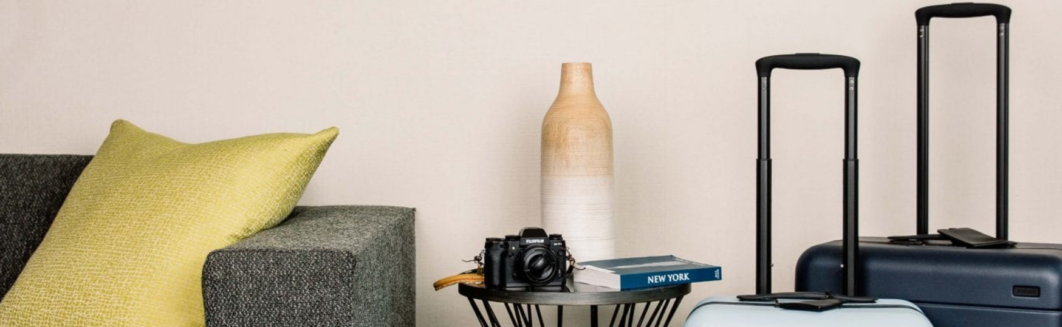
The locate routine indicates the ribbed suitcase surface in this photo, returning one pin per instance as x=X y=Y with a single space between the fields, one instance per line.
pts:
x=1026 y=277
x=954 y=286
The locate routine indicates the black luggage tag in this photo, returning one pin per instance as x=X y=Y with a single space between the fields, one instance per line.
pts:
x=854 y=299
x=972 y=238
x=925 y=239
x=789 y=296
x=812 y=301
x=811 y=305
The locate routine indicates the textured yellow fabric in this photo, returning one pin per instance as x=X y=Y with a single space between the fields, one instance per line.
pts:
x=128 y=246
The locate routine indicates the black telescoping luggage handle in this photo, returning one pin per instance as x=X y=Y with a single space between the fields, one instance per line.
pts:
x=763 y=164
x=964 y=10
x=807 y=61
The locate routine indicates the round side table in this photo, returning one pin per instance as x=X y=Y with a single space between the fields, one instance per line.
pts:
x=657 y=305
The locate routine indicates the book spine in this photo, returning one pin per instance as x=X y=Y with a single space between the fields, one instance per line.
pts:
x=643 y=280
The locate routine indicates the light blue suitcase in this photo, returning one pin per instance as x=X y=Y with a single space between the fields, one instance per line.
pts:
x=806 y=309
x=729 y=311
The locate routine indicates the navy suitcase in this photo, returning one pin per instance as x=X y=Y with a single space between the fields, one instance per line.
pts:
x=959 y=278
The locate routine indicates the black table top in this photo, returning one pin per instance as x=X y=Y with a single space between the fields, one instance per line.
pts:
x=576 y=294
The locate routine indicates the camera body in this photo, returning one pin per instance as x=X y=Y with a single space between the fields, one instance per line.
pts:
x=532 y=259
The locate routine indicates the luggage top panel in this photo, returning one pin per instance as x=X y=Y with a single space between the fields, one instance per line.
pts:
x=1028 y=275
x=729 y=311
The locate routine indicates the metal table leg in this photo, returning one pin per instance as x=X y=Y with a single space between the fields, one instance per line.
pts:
x=524 y=316
x=479 y=316
x=593 y=316
x=673 y=308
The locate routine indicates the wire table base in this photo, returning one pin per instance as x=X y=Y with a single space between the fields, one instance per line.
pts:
x=636 y=308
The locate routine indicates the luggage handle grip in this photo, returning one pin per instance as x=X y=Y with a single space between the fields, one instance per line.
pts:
x=808 y=61
x=963 y=10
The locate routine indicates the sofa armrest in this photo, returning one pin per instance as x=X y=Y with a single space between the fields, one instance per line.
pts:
x=32 y=189
x=324 y=266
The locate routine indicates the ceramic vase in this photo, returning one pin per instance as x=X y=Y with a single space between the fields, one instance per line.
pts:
x=577 y=167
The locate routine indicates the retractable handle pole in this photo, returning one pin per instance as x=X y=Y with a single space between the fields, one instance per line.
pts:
x=965 y=10
x=764 y=66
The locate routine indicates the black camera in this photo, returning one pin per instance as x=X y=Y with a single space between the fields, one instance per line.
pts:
x=532 y=260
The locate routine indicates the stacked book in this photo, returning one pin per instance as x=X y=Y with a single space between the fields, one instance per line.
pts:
x=643 y=272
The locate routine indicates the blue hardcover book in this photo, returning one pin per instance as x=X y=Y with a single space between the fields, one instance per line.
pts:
x=631 y=273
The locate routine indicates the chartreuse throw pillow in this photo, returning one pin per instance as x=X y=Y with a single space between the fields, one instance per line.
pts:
x=128 y=246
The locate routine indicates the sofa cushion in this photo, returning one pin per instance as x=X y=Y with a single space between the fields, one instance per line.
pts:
x=128 y=245
x=32 y=187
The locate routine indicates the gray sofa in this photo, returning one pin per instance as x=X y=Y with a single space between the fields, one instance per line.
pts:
x=323 y=266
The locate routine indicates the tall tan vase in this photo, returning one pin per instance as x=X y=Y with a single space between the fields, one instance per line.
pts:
x=577 y=167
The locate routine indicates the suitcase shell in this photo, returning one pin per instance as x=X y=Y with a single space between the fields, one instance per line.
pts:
x=955 y=286
x=730 y=311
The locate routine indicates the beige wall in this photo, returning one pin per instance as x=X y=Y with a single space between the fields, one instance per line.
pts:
x=440 y=105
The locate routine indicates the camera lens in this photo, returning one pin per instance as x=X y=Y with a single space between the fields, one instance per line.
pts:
x=539 y=265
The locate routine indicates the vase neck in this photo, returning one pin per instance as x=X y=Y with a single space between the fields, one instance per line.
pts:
x=576 y=79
